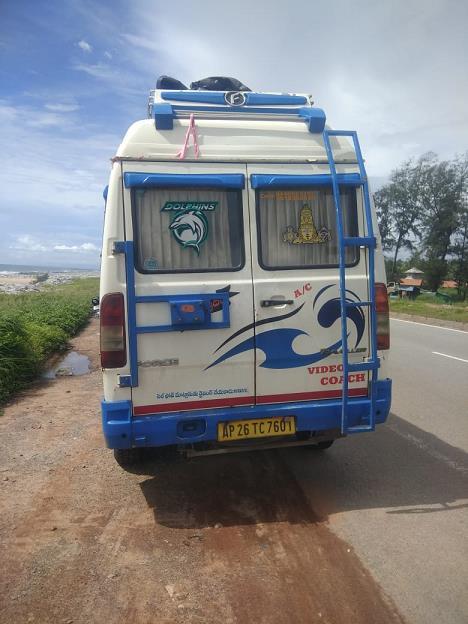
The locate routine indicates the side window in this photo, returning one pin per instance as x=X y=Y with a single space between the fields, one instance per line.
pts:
x=187 y=230
x=297 y=228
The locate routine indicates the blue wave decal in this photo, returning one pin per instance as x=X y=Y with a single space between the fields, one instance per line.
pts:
x=331 y=312
x=276 y=344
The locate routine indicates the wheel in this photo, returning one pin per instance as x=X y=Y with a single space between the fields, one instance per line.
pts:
x=127 y=457
x=322 y=446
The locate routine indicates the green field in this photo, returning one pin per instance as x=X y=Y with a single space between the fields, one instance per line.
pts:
x=36 y=324
x=429 y=306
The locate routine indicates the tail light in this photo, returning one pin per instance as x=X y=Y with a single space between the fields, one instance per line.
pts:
x=112 y=315
x=383 y=320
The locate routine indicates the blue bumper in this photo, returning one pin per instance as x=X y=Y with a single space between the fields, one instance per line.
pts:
x=123 y=430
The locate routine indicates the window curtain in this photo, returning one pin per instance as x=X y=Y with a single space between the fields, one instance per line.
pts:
x=157 y=248
x=280 y=224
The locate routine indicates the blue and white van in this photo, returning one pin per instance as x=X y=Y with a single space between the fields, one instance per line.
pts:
x=243 y=289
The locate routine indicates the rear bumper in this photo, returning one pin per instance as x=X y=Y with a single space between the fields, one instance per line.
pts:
x=122 y=430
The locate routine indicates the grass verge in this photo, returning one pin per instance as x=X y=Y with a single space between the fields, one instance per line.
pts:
x=429 y=309
x=34 y=325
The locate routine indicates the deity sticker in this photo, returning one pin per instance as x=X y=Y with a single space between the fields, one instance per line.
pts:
x=189 y=225
x=306 y=233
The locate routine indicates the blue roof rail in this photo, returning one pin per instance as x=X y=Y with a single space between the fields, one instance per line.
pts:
x=315 y=118
x=212 y=103
x=163 y=116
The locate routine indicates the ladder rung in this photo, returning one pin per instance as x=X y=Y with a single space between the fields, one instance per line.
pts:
x=359 y=241
x=362 y=366
x=358 y=304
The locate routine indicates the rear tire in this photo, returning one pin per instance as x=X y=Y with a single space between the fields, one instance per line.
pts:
x=127 y=457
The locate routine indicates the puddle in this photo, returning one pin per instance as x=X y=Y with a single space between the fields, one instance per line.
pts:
x=72 y=364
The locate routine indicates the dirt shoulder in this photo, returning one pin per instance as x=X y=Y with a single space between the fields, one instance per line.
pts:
x=228 y=539
x=427 y=320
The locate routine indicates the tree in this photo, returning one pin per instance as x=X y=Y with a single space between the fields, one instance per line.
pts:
x=441 y=200
x=460 y=243
x=398 y=209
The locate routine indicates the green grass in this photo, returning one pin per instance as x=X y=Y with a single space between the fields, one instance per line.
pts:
x=34 y=325
x=430 y=307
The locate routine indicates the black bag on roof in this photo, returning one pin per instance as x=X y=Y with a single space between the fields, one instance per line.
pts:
x=166 y=82
x=219 y=83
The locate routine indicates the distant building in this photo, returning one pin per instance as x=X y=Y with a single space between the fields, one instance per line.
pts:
x=409 y=281
x=415 y=274
x=410 y=287
x=449 y=284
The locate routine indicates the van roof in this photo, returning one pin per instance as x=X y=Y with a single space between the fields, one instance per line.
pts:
x=233 y=126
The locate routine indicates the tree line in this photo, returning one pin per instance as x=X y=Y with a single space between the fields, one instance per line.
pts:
x=424 y=210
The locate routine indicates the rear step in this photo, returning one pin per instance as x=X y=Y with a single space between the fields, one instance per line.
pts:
x=368 y=242
x=313 y=441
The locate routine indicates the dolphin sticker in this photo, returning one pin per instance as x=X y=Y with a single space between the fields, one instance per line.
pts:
x=190 y=228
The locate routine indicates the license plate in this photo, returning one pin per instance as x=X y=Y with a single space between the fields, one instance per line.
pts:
x=258 y=428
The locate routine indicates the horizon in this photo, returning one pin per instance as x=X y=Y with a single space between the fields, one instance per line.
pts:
x=48 y=267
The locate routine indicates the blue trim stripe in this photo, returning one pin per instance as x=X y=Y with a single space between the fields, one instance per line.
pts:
x=259 y=181
x=164 y=180
x=121 y=430
x=217 y=97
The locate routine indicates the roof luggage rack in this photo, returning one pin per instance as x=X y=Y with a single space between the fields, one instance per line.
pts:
x=165 y=105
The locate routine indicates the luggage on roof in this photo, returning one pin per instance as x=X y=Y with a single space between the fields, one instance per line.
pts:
x=167 y=82
x=219 y=83
x=213 y=83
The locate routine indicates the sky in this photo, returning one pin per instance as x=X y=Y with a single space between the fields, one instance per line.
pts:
x=75 y=74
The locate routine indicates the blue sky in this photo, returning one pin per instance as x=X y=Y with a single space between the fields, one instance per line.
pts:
x=75 y=74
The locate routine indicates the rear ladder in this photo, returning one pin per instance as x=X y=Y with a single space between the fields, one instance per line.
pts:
x=367 y=241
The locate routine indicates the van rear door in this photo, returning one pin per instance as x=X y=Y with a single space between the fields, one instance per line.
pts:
x=188 y=226
x=296 y=284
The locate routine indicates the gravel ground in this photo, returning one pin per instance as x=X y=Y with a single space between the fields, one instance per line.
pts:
x=229 y=539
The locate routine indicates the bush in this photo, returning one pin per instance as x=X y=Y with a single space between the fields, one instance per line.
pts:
x=35 y=325
x=19 y=364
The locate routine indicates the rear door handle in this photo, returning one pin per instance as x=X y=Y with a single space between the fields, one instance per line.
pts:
x=268 y=303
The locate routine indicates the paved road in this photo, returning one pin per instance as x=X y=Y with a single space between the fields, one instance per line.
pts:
x=400 y=495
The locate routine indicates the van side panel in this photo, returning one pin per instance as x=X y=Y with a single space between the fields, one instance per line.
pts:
x=113 y=272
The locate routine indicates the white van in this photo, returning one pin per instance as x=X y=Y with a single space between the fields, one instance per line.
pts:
x=243 y=289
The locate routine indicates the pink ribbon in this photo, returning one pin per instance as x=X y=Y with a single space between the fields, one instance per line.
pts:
x=191 y=132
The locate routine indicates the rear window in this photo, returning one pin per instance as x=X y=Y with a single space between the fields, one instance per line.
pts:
x=188 y=230
x=297 y=228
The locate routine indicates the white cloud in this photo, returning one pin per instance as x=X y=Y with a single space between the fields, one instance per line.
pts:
x=107 y=54
x=403 y=93
x=52 y=179
x=8 y=113
x=97 y=70
x=123 y=82
x=28 y=243
x=62 y=107
x=44 y=120
x=85 y=46
x=84 y=248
